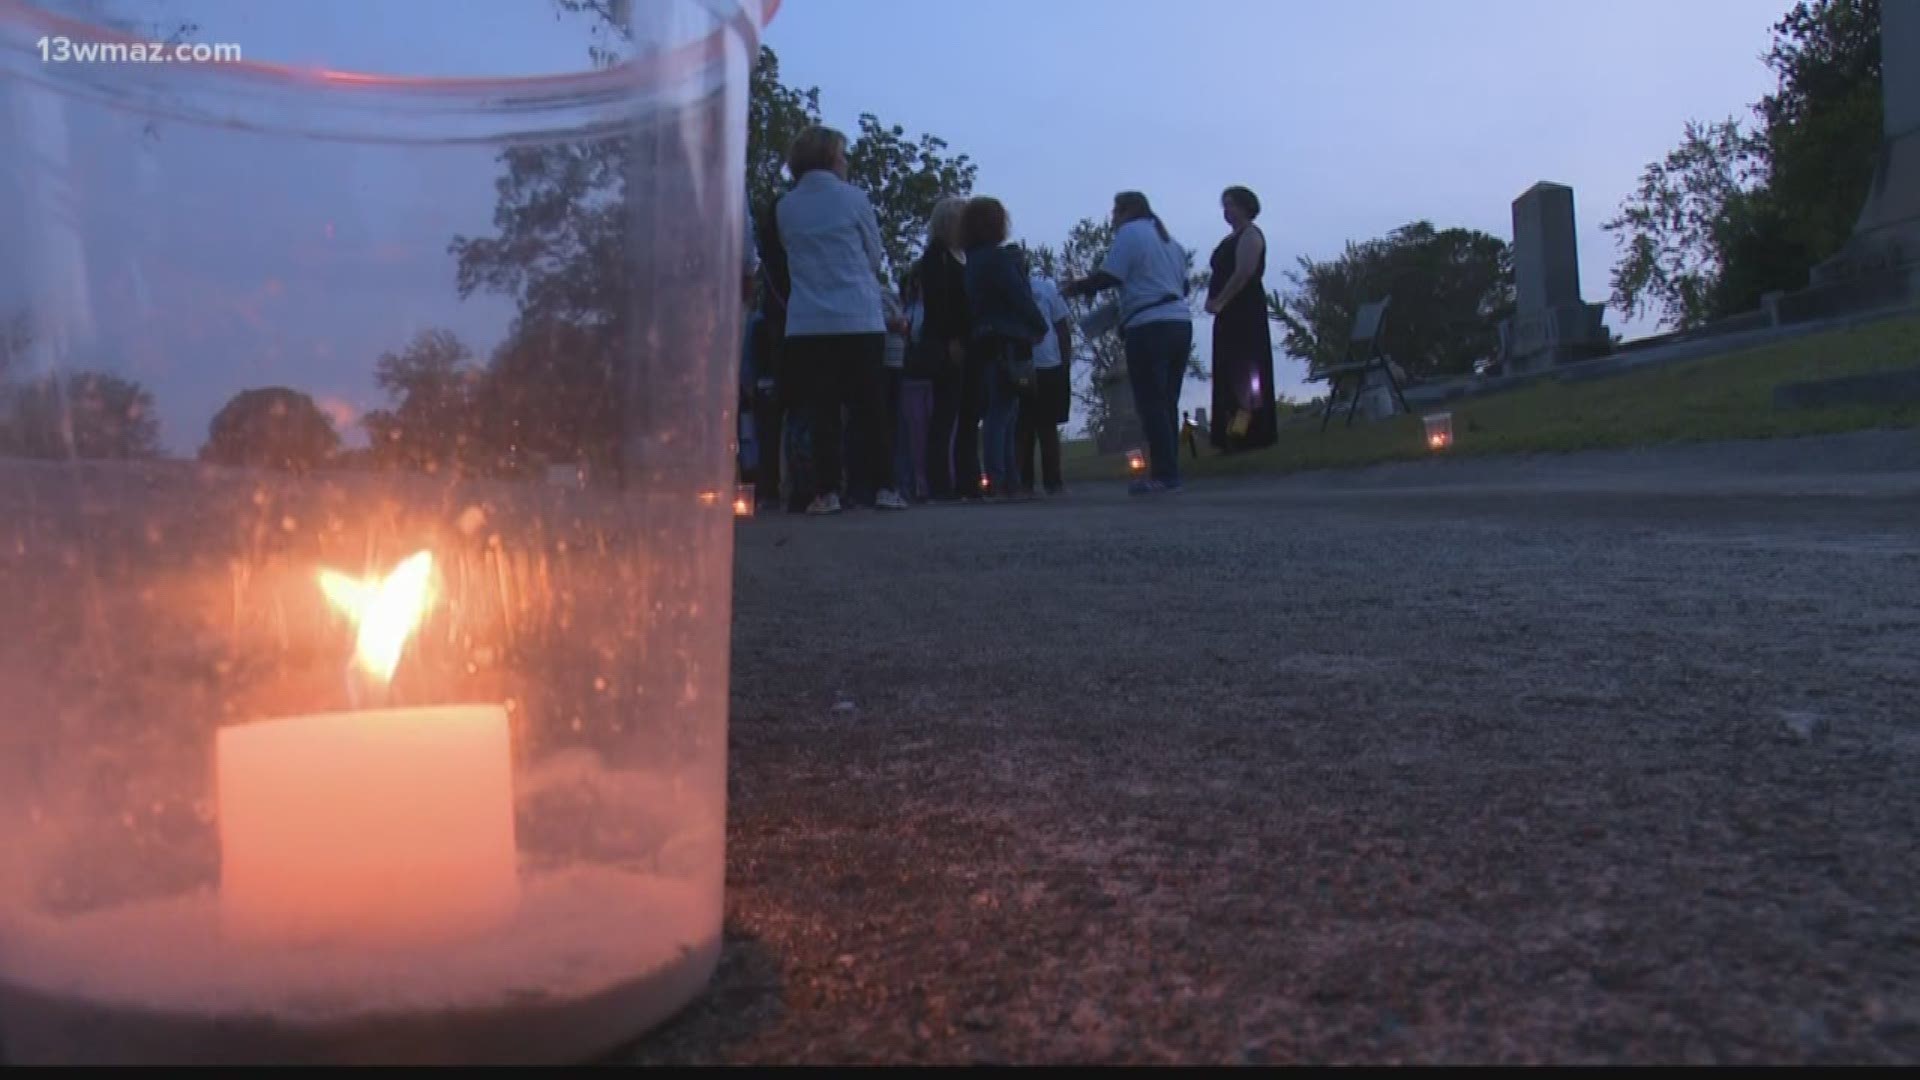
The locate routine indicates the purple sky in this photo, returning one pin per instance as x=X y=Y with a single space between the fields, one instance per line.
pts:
x=266 y=260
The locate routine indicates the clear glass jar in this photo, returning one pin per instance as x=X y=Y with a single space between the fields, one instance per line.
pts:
x=366 y=411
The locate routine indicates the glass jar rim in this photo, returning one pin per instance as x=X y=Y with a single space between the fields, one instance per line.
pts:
x=395 y=99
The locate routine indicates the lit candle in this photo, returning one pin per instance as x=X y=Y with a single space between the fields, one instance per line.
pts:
x=1439 y=430
x=1136 y=461
x=385 y=825
x=743 y=501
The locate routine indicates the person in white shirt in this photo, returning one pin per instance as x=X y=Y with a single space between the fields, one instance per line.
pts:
x=1150 y=271
x=836 y=333
x=1053 y=391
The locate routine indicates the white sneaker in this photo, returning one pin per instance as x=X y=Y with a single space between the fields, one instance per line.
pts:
x=889 y=499
x=824 y=504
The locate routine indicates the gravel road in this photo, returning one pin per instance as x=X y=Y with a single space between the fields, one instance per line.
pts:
x=1606 y=758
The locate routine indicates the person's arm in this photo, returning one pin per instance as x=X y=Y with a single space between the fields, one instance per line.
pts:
x=1095 y=282
x=933 y=300
x=1246 y=256
x=891 y=312
x=773 y=258
x=1113 y=268
x=1064 y=331
x=870 y=236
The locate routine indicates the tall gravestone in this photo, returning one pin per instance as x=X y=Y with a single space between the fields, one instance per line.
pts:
x=1551 y=323
x=1122 y=431
x=1883 y=257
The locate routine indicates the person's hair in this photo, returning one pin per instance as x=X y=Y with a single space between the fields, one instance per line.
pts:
x=1245 y=199
x=984 y=223
x=1134 y=205
x=814 y=149
x=940 y=223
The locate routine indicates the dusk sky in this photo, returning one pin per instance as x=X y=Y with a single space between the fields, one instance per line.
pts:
x=1348 y=120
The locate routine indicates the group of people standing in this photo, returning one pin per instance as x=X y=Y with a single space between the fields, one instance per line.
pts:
x=945 y=390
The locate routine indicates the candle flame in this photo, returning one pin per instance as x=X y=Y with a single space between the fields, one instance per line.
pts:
x=387 y=610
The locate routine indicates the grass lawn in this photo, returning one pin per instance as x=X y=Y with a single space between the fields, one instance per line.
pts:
x=1712 y=399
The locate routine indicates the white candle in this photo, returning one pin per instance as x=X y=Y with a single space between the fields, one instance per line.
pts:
x=391 y=825
x=371 y=826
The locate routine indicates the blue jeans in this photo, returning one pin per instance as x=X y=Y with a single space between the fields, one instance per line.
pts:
x=1156 y=366
x=997 y=430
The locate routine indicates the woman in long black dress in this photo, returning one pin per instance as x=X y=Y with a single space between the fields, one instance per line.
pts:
x=1242 y=339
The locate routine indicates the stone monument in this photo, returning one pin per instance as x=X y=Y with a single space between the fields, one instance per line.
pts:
x=1551 y=324
x=1881 y=263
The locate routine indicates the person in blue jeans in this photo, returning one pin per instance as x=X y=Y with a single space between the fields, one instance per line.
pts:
x=1006 y=323
x=1150 y=271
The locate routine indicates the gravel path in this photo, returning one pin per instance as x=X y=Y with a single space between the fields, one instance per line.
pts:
x=1606 y=759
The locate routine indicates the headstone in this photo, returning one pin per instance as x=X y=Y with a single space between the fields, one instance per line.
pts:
x=1886 y=238
x=1551 y=323
x=1376 y=396
x=1122 y=428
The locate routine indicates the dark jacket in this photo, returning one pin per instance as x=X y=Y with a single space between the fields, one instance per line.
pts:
x=770 y=328
x=943 y=295
x=1000 y=296
x=775 y=283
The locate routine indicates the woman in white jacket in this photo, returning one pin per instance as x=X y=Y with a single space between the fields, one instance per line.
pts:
x=836 y=324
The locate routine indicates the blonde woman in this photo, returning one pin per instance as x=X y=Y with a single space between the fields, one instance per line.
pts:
x=953 y=441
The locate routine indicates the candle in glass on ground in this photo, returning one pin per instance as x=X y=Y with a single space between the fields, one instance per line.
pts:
x=391 y=825
x=383 y=825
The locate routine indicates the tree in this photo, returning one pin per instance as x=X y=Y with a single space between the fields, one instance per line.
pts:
x=561 y=250
x=270 y=428
x=1823 y=123
x=1732 y=213
x=1450 y=289
x=561 y=254
x=1676 y=225
x=88 y=415
x=550 y=395
x=776 y=115
x=434 y=385
x=903 y=176
x=905 y=179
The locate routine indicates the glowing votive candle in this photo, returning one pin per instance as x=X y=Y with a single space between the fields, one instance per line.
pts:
x=388 y=825
x=372 y=826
